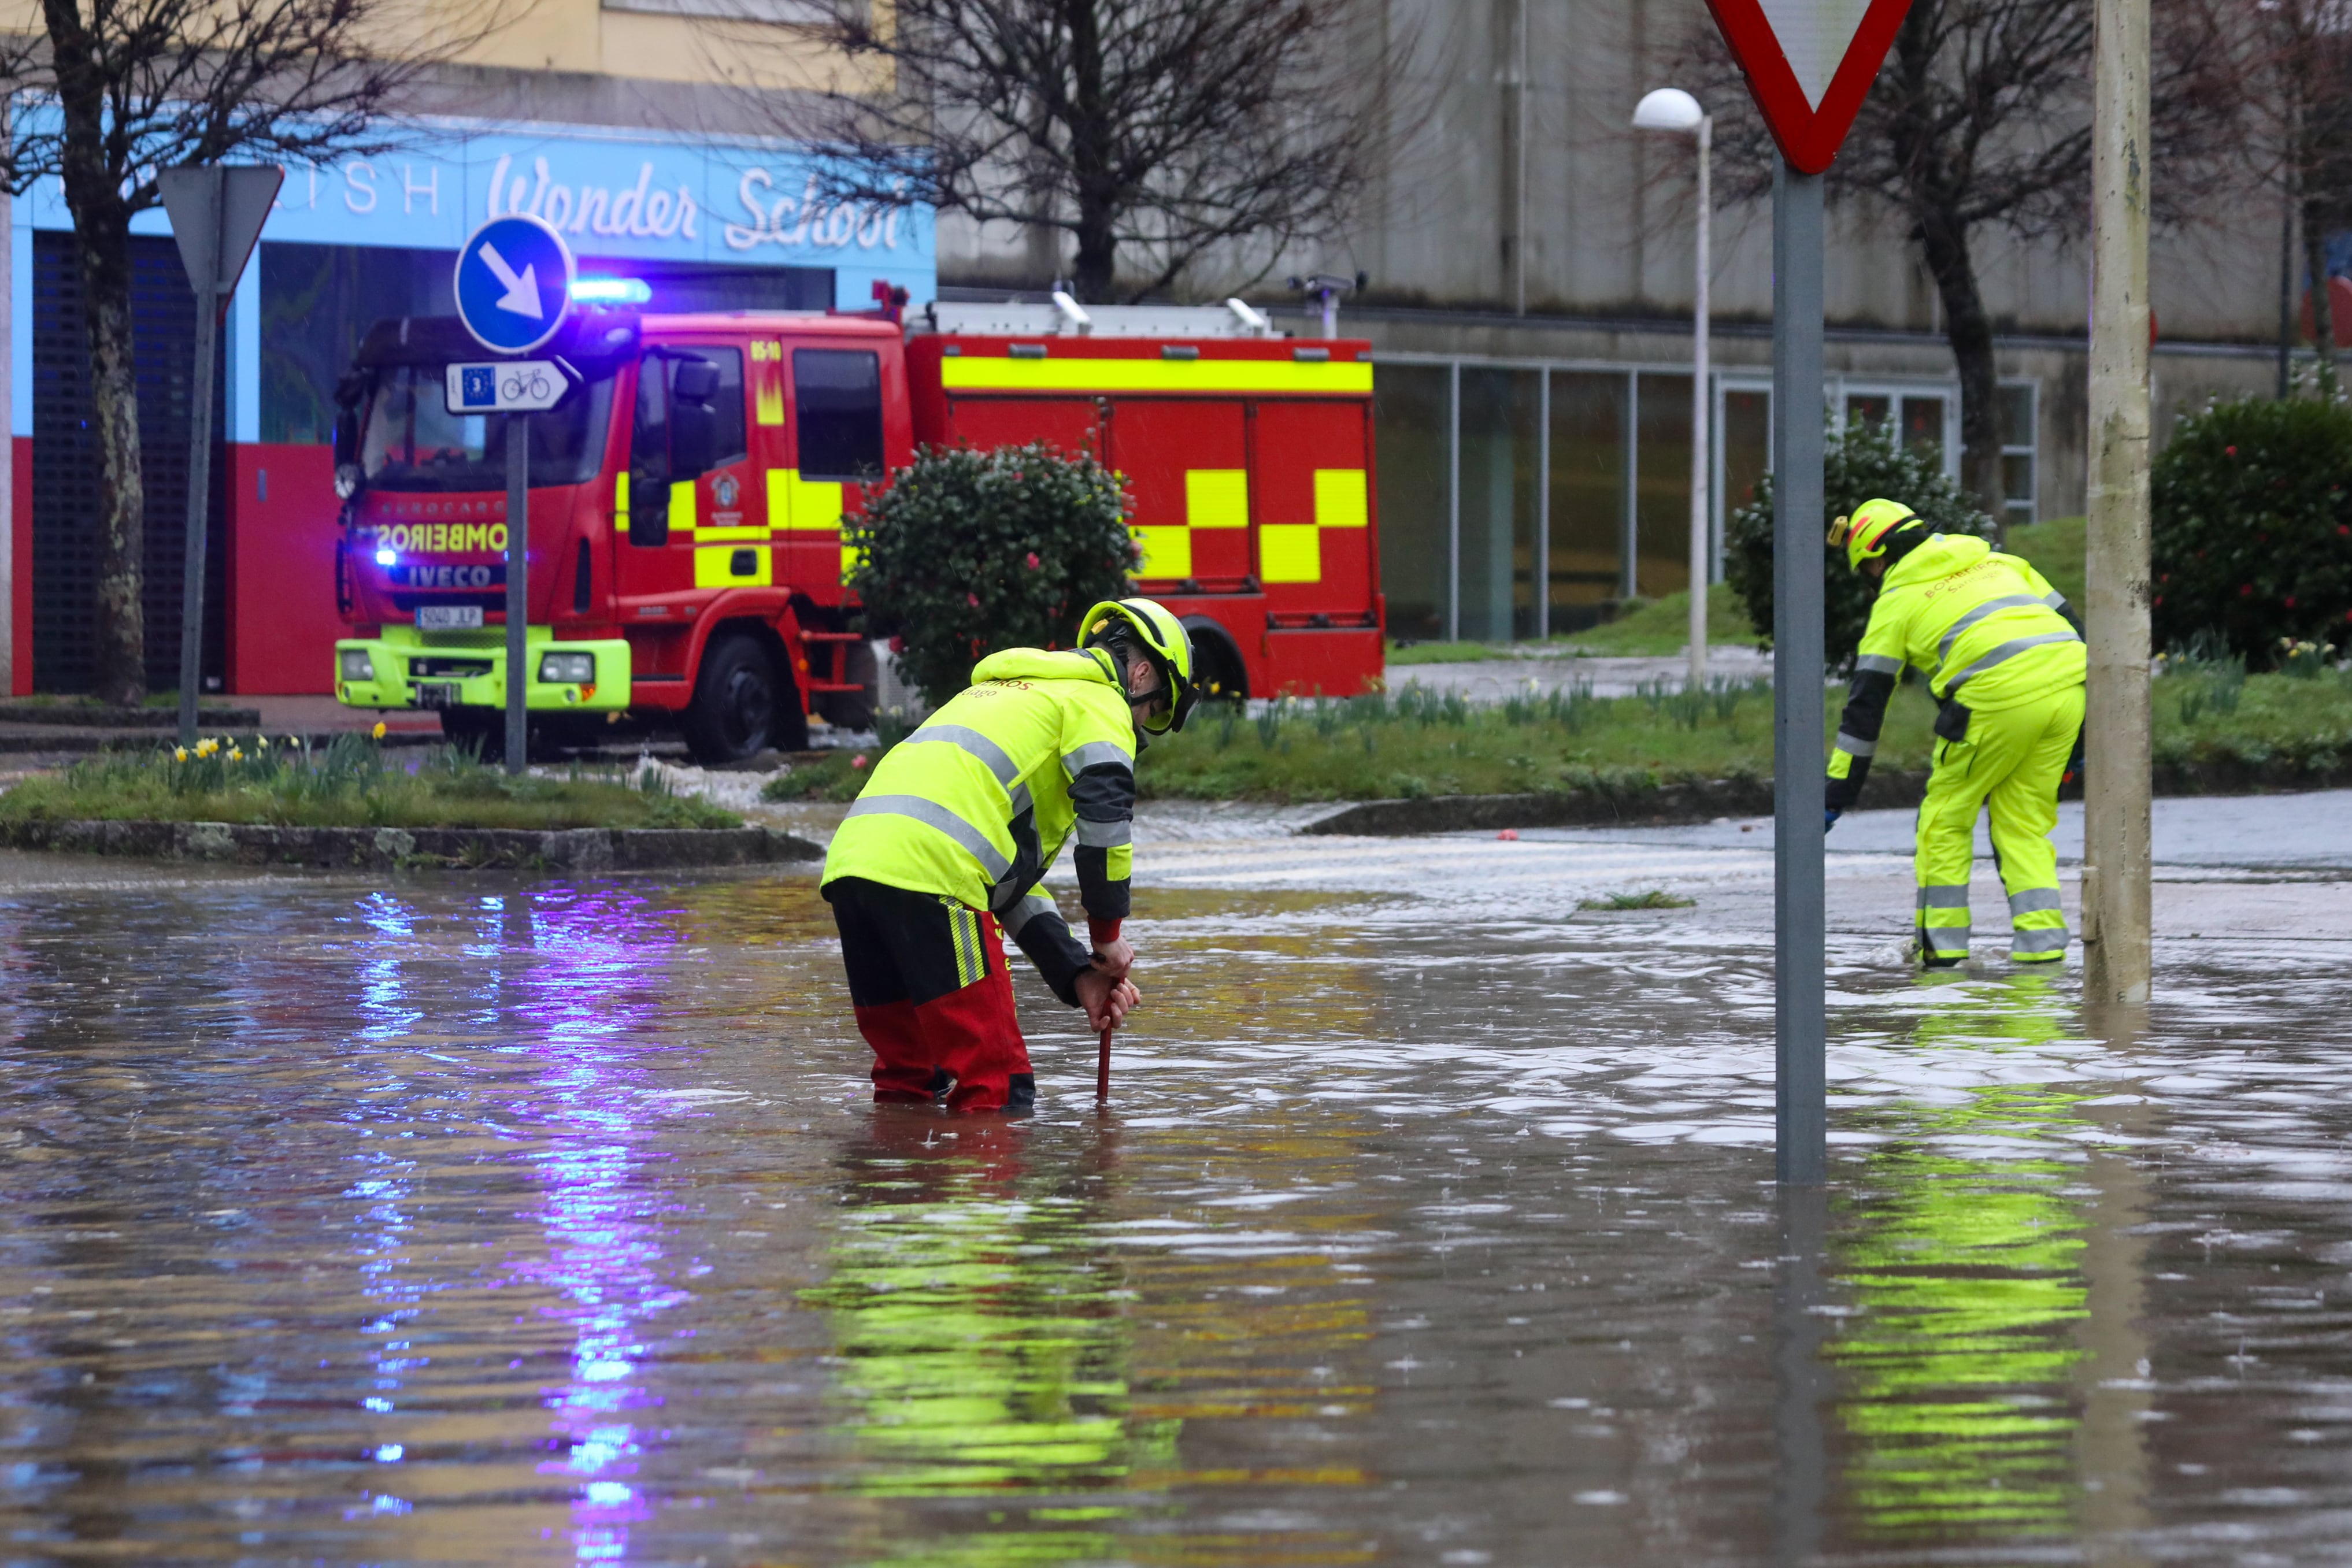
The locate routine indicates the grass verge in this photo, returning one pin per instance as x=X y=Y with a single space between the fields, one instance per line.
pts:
x=1653 y=628
x=1415 y=742
x=351 y=784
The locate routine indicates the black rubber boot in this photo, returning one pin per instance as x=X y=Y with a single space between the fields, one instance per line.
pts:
x=1021 y=1092
x=940 y=1083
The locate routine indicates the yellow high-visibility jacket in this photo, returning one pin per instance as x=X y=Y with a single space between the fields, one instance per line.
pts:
x=1988 y=629
x=979 y=802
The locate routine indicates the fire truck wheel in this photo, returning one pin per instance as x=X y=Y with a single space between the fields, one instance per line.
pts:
x=740 y=707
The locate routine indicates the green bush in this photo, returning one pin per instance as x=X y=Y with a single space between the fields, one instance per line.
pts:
x=2254 y=527
x=971 y=552
x=1864 y=464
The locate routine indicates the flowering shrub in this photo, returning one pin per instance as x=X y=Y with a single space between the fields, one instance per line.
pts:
x=1862 y=465
x=2253 y=528
x=969 y=552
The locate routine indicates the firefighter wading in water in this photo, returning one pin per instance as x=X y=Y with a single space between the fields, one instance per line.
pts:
x=2005 y=662
x=957 y=824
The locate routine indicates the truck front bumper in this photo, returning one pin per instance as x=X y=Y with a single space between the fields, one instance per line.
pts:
x=405 y=668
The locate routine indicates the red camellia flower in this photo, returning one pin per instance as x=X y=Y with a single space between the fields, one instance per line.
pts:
x=859 y=761
x=1034 y=562
x=2245 y=590
x=2342 y=529
x=897 y=644
x=2230 y=450
x=2290 y=601
x=972 y=599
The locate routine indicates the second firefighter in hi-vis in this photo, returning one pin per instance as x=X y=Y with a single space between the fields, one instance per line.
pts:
x=2005 y=662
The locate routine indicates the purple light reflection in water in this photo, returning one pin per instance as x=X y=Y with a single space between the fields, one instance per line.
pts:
x=584 y=1020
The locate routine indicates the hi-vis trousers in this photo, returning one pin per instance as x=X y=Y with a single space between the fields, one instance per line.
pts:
x=2010 y=762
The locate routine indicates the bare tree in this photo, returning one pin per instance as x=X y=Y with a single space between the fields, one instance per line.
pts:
x=1149 y=133
x=1981 y=119
x=111 y=92
x=2292 y=78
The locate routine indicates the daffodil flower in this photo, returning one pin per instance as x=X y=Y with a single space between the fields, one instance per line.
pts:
x=378 y=730
x=179 y=754
x=234 y=755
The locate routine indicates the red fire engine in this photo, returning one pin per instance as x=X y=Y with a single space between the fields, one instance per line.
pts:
x=686 y=503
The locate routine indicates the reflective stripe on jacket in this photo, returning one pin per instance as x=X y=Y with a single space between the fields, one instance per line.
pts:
x=979 y=802
x=1989 y=629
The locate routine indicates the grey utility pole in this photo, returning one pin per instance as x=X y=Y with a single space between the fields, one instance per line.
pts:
x=2116 y=851
x=1800 y=1108
x=216 y=213
x=518 y=588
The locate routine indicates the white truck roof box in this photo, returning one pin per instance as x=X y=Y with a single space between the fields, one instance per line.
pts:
x=1065 y=318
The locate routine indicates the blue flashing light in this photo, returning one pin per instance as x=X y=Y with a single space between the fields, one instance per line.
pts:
x=611 y=291
x=387 y=558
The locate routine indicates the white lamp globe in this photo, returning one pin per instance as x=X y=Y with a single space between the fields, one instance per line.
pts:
x=1668 y=108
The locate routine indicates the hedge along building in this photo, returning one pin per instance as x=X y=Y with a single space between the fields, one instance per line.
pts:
x=1529 y=257
x=708 y=212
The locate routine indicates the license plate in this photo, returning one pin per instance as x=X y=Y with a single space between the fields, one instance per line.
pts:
x=436 y=693
x=448 y=617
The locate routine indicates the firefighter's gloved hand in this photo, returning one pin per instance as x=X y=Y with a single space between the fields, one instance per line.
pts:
x=1830 y=814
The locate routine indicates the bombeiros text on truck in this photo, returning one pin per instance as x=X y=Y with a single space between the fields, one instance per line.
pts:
x=686 y=503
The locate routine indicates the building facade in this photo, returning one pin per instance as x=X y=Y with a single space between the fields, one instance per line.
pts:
x=1529 y=259
x=665 y=170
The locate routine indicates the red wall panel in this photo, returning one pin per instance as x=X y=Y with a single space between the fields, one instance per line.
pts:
x=282 y=622
x=20 y=612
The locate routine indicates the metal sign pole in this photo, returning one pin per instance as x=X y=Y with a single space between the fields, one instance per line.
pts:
x=1801 y=1109
x=200 y=465
x=517 y=431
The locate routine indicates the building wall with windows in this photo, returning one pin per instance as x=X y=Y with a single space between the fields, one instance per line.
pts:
x=1529 y=262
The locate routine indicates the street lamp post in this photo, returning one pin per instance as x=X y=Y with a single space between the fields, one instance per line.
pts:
x=1670 y=109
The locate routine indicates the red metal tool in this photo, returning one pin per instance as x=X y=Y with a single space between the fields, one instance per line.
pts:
x=1102 y=1066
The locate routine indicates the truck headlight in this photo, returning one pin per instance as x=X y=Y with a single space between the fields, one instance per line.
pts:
x=566 y=669
x=355 y=665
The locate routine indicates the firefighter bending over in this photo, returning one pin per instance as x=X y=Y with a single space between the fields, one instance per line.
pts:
x=2005 y=662
x=957 y=824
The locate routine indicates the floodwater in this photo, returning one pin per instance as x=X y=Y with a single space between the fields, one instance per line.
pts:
x=462 y=1219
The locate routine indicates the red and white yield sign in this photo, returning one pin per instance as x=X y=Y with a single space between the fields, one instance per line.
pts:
x=1810 y=63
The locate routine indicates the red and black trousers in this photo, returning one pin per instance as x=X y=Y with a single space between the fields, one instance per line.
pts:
x=933 y=997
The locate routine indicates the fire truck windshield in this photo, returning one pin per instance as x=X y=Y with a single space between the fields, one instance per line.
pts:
x=410 y=441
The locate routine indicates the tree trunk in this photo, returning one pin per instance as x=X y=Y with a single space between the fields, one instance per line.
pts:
x=1091 y=154
x=2322 y=317
x=120 y=655
x=1968 y=330
x=94 y=193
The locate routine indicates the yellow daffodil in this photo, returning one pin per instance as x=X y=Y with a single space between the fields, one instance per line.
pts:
x=378 y=730
x=234 y=755
x=179 y=754
x=207 y=747
x=261 y=743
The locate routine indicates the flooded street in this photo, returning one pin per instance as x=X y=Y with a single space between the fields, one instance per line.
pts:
x=485 y=1219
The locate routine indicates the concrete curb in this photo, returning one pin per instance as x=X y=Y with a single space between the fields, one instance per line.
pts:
x=1665 y=805
x=589 y=850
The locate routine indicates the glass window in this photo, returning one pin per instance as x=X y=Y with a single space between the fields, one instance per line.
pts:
x=1412 y=422
x=728 y=442
x=1498 y=504
x=1661 y=497
x=317 y=302
x=837 y=404
x=412 y=442
x=1868 y=409
x=1922 y=426
x=1587 y=494
x=1747 y=448
x=2018 y=467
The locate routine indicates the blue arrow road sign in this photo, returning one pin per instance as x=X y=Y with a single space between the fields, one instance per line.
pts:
x=514 y=284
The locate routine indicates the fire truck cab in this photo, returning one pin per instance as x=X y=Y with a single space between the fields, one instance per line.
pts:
x=686 y=558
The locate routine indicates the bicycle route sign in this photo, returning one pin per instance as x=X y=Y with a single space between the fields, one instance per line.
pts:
x=513 y=285
x=509 y=386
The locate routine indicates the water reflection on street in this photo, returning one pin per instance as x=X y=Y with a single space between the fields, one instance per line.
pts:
x=482 y=1221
